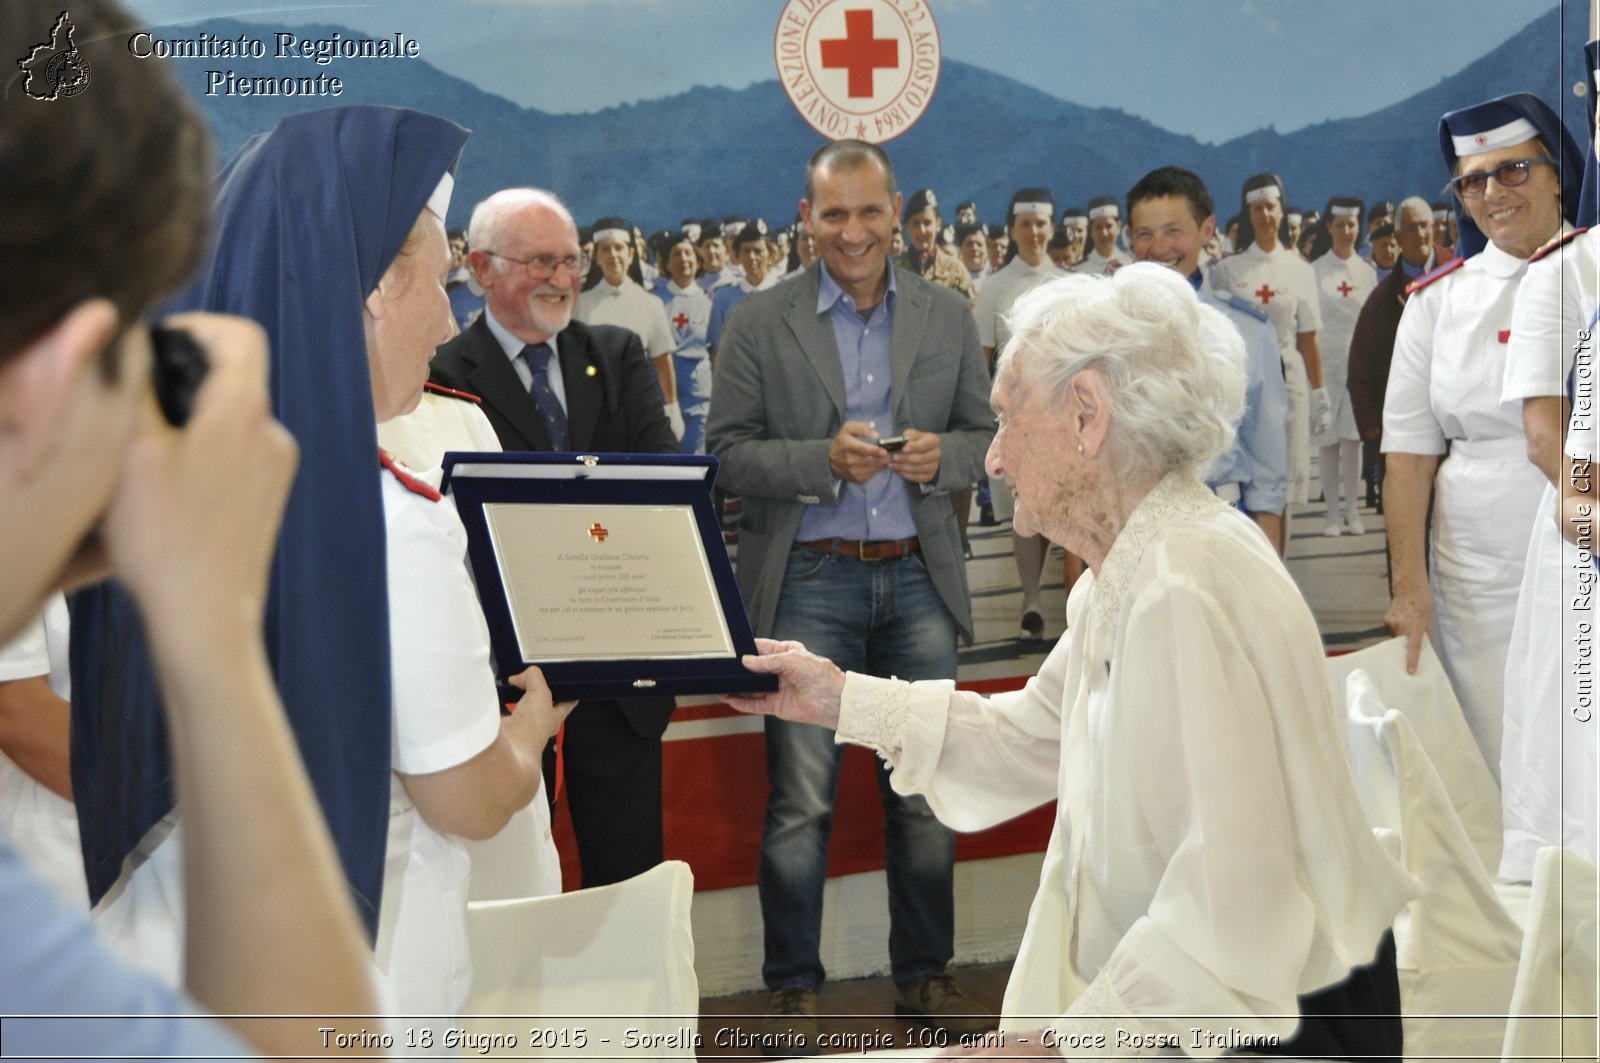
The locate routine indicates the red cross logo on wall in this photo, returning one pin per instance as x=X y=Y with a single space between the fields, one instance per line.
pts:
x=1265 y=294
x=680 y=322
x=1345 y=289
x=860 y=53
x=858 y=68
x=597 y=532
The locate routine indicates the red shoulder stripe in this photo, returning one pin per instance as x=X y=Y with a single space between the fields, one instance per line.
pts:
x=1428 y=278
x=408 y=479
x=1560 y=241
x=452 y=392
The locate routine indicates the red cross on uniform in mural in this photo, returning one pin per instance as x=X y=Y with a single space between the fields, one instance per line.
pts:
x=598 y=533
x=1344 y=289
x=860 y=53
x=1265 y=294
x=680 y=322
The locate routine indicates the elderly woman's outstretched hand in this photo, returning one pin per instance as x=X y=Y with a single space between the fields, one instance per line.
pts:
x=809 y=686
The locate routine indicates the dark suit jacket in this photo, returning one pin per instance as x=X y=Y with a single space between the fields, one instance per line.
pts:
x=613 y=406
x=1372 y=349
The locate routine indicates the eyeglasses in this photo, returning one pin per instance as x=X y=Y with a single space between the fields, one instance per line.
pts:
x=543 y=267
x=1510 y=174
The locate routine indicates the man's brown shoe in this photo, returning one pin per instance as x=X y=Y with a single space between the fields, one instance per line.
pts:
x=790 y=1026
x=938 y=1002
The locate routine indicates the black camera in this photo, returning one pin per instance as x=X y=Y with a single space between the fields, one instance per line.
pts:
x=179 y=365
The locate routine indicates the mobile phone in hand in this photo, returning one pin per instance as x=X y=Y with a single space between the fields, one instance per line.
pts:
x=892 y=443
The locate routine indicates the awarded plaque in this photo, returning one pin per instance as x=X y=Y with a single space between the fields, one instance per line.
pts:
x=607 y=582
x=606 y=570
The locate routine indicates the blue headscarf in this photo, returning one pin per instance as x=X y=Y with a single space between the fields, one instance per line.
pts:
x=1480 y=119
x=309 y=217
x=1589 y=198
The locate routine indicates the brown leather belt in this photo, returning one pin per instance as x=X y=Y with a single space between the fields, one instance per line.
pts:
x=865 y=549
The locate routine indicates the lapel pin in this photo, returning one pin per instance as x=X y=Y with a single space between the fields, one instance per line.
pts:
x=590 y=370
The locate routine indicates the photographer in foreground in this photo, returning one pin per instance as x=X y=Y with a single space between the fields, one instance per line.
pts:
x=96 y=483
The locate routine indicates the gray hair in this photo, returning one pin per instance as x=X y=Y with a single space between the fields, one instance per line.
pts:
x=1174 y=368
x=1415 y=204
x=488 y=228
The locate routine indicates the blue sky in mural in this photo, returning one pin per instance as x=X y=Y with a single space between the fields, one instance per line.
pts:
x=1212 y=69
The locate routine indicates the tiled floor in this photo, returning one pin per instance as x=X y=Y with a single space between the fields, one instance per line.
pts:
x=855 y=1015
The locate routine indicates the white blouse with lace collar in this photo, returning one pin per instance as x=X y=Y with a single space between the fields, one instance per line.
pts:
x=1210 y=856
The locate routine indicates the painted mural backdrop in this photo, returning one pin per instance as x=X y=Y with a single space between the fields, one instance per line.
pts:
x=980 y=130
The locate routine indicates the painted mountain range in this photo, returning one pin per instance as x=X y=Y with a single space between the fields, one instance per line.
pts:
x=717 y=151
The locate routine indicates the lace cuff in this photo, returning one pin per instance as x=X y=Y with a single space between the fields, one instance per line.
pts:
x=872 y=712
x=1099 y=1021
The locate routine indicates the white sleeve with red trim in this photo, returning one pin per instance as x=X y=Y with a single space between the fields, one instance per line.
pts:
x=446 y=708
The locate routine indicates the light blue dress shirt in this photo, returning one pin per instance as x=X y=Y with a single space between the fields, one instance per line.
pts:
x=513 y=348
x=1258 y=459
x=878 y=509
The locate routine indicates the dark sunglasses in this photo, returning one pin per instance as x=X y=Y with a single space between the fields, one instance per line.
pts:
x=1510 y=174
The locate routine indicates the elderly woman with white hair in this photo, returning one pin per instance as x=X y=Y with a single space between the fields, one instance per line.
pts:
x=1210 y=876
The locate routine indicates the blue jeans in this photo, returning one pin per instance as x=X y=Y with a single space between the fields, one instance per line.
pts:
x=880 y=618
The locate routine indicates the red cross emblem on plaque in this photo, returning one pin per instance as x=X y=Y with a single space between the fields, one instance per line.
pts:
x=860 y=53
x=681 y=321
x=1265 y=294
x=1345 y=289
x=597 y=532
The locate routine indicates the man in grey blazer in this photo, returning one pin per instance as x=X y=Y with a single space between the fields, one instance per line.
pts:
x=848 y=403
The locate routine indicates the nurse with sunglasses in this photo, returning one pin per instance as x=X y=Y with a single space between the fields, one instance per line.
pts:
x=1515 y=172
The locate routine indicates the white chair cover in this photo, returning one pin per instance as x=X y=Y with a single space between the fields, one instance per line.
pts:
x=519 y=862
x=1430 y=707
x=1557 y=994
x=1456 y=947
x=616 y=962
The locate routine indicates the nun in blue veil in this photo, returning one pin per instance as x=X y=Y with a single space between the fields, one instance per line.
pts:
x=309 y=217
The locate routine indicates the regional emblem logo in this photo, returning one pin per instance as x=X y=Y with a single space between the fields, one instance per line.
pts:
x=55 y=69
x=858 y=68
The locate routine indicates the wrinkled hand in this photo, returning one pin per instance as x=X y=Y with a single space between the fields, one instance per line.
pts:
x=854 y=455
x=918 y=461
x=1411 y=615
x=536 y=710
x=194 y=519
x=809 y=686
x=1321 y=411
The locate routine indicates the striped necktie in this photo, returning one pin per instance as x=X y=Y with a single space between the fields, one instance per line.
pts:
x=538 y=356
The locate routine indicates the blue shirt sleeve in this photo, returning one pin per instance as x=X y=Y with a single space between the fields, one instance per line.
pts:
x=1264 y=431
x=64 y=993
